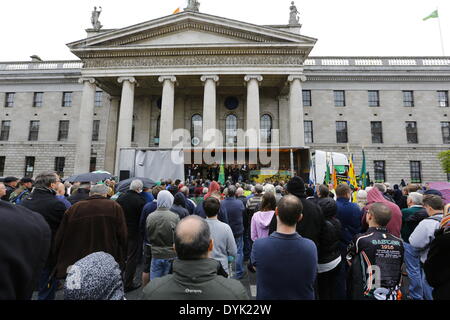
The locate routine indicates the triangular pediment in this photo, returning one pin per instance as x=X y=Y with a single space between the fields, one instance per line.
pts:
x=189 y=28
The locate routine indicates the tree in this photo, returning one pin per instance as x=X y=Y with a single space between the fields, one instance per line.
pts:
x=444 y=157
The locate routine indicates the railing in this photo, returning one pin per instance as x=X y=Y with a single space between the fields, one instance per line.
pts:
x=44 y=65
x=378 y=61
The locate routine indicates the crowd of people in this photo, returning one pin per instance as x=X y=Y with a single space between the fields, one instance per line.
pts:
x=196 y=240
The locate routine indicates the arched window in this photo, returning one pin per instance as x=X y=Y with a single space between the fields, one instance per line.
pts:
x=196 y=129
x=266 y=128
x=231 y=130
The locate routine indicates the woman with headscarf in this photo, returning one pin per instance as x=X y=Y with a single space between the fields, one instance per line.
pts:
x=179 y=206
x=213 y=190
x=161 y=226
x=395 y=224
x=95 y=277
x=361 y=198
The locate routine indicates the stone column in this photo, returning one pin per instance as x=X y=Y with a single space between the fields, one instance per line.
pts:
x=167 y=111
x=111 y=138
x=84 y=134
x=210 y=110
x=296 y=124
x=125 y=116
x=253 y=110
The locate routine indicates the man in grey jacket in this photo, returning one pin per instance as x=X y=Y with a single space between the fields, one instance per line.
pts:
x=194 y=273
x=423 y=235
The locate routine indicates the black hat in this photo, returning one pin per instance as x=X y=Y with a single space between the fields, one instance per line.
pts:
x=10 y=179
x=296 y=186
x=433 y=192
x=26 y=180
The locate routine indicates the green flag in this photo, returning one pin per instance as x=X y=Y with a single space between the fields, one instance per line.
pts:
x=222 y=175
x=364 y=174
x=434 y=14
x=328 y=175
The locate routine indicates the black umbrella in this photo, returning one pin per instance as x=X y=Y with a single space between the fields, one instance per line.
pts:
x=124 y=185
x=89 y=177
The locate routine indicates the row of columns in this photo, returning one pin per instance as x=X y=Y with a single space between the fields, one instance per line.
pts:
x=82 y=158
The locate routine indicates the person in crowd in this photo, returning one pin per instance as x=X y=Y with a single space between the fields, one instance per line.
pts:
x=261 y=220
x=179 y=206
x=395 y=223
x=330 y=278
x=213 y=190
x=311 y=226
x=224 y=244
x=147 y=194
x=95 y=277
x=132 y=204
x=438 y=260
x=11 y=185
x=279 y=193
x=190 y=205
x=285 y=262
x=403 y=204
x=81 y=193
x=23 y=189
x=200 y=210
x=252 y=206
x=160 y=229
x=43 y=201
x=397 y=195
x=424 y=234
x=323 y=193
x=349 y=215
x=361 y=198
x=102 y=224
x=383 y=189
x=376 y=253
x=235 y=211
x=411 y=217
x=25 y=239
x=61 y=195
x=240 y=196
x=309 y=193
x=194 y=273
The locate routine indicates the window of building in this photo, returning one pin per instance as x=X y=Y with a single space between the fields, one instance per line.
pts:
x=445 y=132
x=98 y=98
x=93 y=164
x=9 y=99
x=377 y=131
x=374 y=98
x=307 y=102
x=29 y=167
x=443 y=98
x=266 y=128
x=133 y=129
x=34 y=131
x=309 y=134
x=96 y=130
x=4 y=133
x=411 y=132
x=380 y=173
x=158 y=129
x=196 y=130
x=416 y=171
x=408 y=98
x=339 y=98
x=67 y=99
x=63 y=131
x=60 y=163
x=231 y=130
x=341 y=132
x=38 y=99
x=2 y=165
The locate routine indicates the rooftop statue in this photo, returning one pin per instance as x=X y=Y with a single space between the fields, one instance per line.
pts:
x=96 y=25
x=193 y=5
x=294 y=18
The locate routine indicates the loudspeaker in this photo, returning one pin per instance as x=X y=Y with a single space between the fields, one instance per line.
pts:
x=124 y=175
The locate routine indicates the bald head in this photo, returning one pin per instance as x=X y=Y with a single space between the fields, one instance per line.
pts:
x=192 y=238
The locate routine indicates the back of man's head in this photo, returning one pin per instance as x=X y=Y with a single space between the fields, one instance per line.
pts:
x=45 y=179
x=433 y=201
x=211 y=206
x=185 y=190
x=239 y=192
x=323 y=191
x=231 y=191
x=381 y=187
x=381 y=213
x=137 y=185
x=416 y=198
x=289 y=210
x=192 y=238
x=99 y=190
x=259 y=189
x=343 y=190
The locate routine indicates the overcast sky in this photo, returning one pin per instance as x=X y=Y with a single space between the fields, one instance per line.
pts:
x=343 y=28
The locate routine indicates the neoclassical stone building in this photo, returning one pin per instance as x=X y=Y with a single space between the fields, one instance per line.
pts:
x=133 y=86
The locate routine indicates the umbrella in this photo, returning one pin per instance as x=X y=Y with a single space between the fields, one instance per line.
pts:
x=124 y=185
x=443 y=187
x=93 y=177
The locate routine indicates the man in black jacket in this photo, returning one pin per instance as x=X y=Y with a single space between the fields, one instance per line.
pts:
x=82 y=193
x=132 y=204
x=43 y=200
x=24 y=247
x=10 y=184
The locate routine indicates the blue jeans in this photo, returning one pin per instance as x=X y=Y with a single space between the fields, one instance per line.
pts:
x=159 y=268
x=248 y=243
x=239 y=257
x=47 y=287
x=427 y=289
x=412 y=262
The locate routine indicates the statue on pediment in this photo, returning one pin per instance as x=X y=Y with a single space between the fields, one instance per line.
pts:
x=294 y=18
x=193 y=5
x=96 y=25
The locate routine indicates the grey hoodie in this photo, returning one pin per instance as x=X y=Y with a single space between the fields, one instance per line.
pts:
x=423 y=235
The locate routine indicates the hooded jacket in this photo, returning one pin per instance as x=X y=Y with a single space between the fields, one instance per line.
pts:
x=179 y=206
x=195 y=280
x=260 y=224
x=132 y=204
x=329 y=243
x=394 y=226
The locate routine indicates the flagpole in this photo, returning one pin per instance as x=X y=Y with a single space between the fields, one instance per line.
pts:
x=440 y=32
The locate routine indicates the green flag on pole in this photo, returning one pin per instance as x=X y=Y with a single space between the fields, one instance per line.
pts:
x=222 y=175
x=434 y=14
x=364 y=173
x=328 y=175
